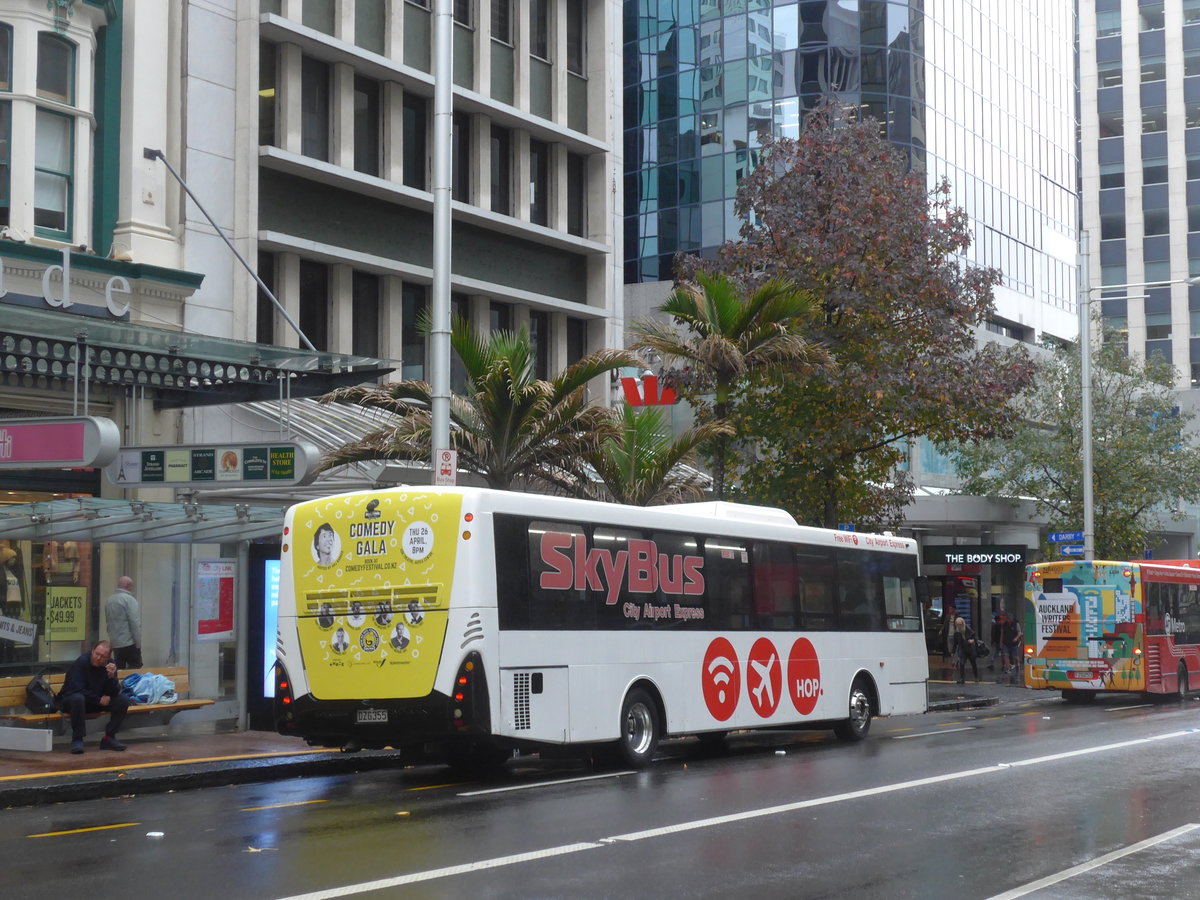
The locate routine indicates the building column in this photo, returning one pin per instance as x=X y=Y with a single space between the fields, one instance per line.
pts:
x=289 y=97
x=391 y=313
x=341 y=308
x=287 y=292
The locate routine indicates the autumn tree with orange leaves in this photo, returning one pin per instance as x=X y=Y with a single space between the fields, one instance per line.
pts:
x=838 y=214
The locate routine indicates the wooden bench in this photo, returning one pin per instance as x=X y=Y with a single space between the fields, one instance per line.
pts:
x=13 y=712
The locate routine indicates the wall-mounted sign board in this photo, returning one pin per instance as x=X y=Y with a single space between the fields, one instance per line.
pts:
x=221 y=465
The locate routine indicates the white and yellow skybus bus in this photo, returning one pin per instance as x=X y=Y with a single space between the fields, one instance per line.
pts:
x=466 y=624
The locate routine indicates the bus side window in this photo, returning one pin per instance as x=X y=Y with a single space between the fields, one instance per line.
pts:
x=776 y=587
x=727 y=583
x=1189 y=612
x=1154 y=607
x=815 y=574
x=615 y=541
x=512 y=577
x=676 y=576
x=552 y=606
x=860 y=591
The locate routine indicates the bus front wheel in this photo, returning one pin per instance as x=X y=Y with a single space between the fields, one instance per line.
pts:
x=639 y=729
x=858 y=723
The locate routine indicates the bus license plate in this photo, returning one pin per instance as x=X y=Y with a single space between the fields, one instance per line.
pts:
x=367 y=716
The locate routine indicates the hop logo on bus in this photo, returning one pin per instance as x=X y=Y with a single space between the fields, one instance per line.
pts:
x=804 y=676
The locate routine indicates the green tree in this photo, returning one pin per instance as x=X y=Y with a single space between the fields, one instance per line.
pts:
x=509 y=427
x=717 y=334
x=1145 y=467
x=837 y=213
x=643 y=463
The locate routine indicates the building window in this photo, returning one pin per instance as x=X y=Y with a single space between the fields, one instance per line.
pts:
x=55 y=69
x=576 y=36
x=501 y=165
x=500 y=317
x=576 y=340
x=365 y=315
x=1191 y=12
x=539 y=343
x=1154 y=68
x=539 y=183
x=1154 y=171
x=1191 y=62
x=539 y=28
x=502 y=21
x=576 y=194
x=370 y=25
x=1112 y=123
x=1109 y=74
x=1150 y=17
x=268 y=79
x=416 y=137
x=462 y=12
x=5 y=58
x=1154 y=118
x=1193 y=166
x=264 y=320
x=1112 y=175
x=1112 y=226
x=1108 y=22
x=1157 y=221
x=52 y=177
x=414 y=304
x=314 y=302
x=366 y=125
x=461 y=154
x=5 y=161
x=314 y=109
x=319 y=15
x=1158 y=327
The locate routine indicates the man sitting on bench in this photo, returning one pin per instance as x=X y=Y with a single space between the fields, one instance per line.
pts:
x=91 y=686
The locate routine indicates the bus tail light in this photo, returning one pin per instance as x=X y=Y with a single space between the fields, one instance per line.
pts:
x=1137 y=651
x=283 y=699
x=1029 y=649
x=469 y=708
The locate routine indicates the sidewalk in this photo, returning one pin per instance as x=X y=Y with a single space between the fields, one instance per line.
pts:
x=158 y=761
x=161 y=760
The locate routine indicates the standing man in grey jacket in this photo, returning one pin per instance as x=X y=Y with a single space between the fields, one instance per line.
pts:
x=124 y=625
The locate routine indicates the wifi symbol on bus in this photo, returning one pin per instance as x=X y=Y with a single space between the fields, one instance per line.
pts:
x=721 y=670
x=721 y=679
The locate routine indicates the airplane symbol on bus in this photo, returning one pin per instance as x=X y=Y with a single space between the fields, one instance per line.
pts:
x=763 y=670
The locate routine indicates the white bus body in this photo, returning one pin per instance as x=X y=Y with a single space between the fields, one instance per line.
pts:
x=461 y=620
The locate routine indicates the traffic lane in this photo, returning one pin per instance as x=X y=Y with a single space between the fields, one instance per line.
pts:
x=361 y=819
x=974 y=833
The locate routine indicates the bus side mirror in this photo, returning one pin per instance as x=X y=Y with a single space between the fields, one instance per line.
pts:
x=923 y=589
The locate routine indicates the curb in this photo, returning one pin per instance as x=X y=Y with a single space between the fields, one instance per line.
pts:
x=48 y=789
x=964 y=703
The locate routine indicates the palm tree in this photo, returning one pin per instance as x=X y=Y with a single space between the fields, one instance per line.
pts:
x=508 y=426
x=726 y=336
x=644 y=464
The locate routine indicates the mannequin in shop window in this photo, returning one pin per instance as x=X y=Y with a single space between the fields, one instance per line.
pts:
x=12 y=594
x=61 y=562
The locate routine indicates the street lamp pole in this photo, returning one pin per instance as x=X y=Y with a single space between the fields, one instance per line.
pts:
x=1085 y=377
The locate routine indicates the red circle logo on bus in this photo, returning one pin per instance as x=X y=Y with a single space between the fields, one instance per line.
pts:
x=721 y=679
x=764 y=675
x=804 y=676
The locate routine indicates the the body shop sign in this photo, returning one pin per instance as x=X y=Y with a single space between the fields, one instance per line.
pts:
x=58 y=443
x=980 y=555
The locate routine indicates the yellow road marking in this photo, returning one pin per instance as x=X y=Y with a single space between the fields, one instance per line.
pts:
x=433 y=787
x=946 y=724
x=154 y=765
x=280 y=805
x=84 y=830
x=894 y=730
x=991 y=718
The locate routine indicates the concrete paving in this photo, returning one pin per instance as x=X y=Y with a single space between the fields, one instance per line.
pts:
x=204 y=756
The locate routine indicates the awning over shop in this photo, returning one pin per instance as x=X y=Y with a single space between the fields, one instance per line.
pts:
x=93 y=519
x=175 y=368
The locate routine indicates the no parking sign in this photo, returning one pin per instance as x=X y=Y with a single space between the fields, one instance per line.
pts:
x=447 y=467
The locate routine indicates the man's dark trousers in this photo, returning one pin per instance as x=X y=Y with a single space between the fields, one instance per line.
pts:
x=77 y=706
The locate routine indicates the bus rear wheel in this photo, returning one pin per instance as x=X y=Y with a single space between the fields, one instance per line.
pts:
x=855 y=726
x=639 y=729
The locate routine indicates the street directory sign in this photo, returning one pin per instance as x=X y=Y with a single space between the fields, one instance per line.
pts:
x=1071 y=550
x=1064 y=537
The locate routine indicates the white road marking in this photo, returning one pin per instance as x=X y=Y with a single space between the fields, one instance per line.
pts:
x=538 y=784
x=905 y=737
x=1093 y=864
x=1119 y=708
x=934 y=780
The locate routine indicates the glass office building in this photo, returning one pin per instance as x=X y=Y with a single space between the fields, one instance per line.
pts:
x=975 y=91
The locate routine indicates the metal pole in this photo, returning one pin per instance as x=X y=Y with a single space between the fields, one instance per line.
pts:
x=1085 y=399
x=158 y=154
x=439 y=335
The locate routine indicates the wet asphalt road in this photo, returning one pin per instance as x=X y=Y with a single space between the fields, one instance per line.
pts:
x=962 y=805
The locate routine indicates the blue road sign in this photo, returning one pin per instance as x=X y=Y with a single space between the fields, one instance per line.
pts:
x=1064 y=537
x=1071 y=549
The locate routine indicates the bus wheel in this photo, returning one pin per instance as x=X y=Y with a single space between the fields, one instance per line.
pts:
x=1181 y=692
x=856 y=726
x=639 y=729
